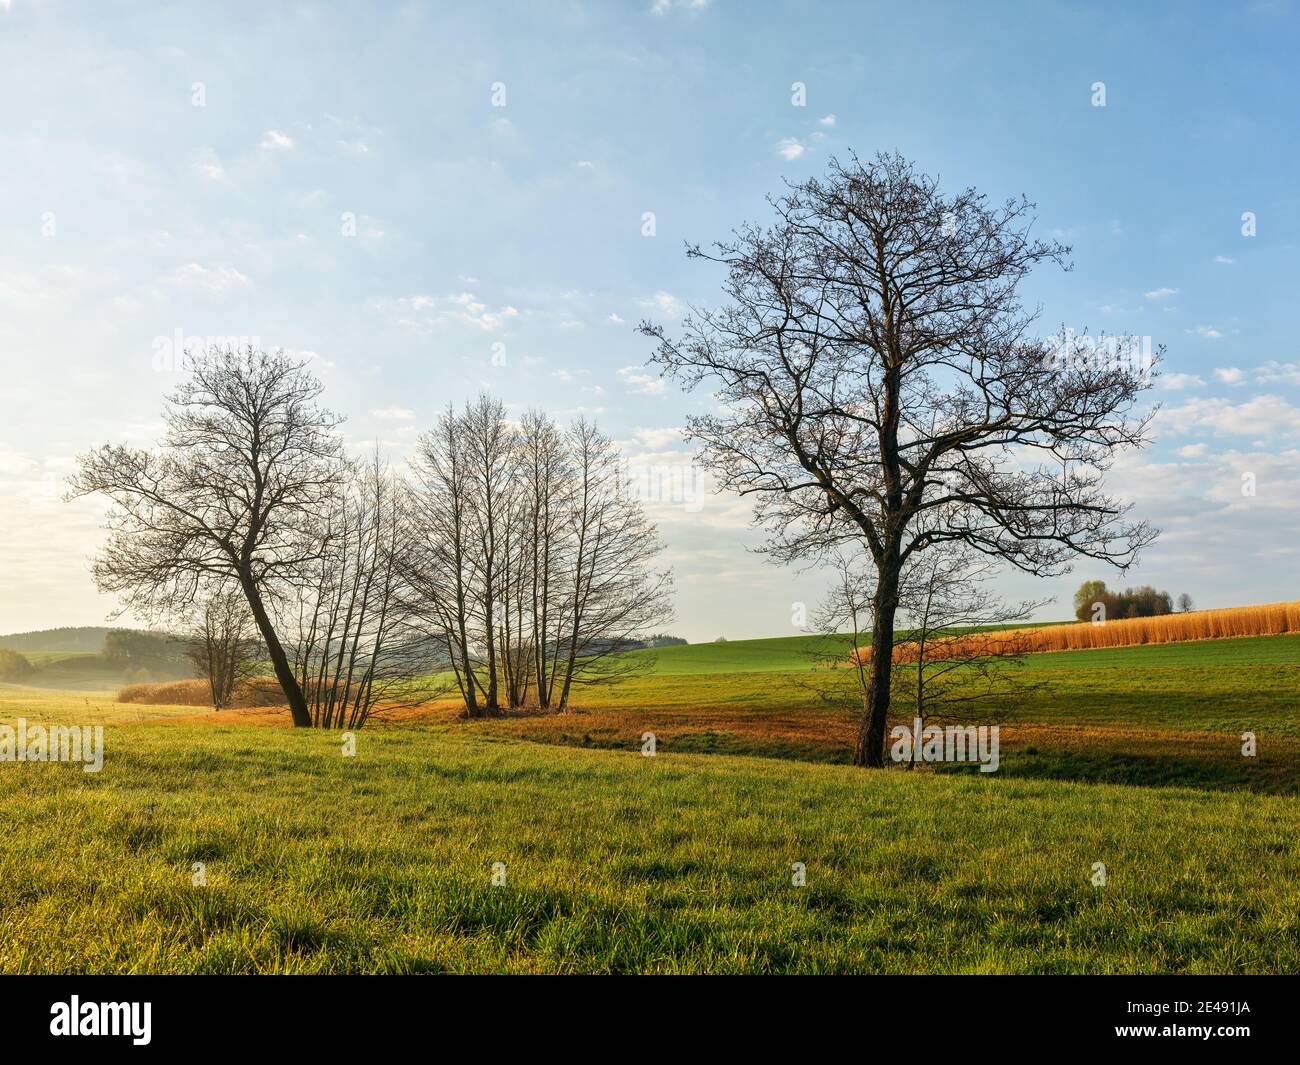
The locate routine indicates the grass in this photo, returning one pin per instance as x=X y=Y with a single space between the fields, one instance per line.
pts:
x=1141 y=712
x=617 y=863
x=681 y=862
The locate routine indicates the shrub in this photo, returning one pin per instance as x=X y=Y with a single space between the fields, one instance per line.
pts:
x=14 y=667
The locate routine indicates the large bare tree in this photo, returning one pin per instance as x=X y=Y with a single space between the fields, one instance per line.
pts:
x=878 y=385
x=247 y=467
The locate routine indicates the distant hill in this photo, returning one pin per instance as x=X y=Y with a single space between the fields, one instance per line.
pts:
x=82 y=638
x=84 y=658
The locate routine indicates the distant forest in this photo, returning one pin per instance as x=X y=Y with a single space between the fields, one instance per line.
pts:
x=89 y=638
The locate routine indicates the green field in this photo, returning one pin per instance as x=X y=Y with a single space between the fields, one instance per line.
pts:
x=616 y=862
x=797 y=653
x=681 y=862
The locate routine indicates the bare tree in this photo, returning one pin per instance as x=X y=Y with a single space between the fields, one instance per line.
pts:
x=442 y=569
x=354 y=651
x=248 y=464
x=548 y=493
x=221 y=640
x=614 y=593
x=958 y=656
x=531 y=566
x=878 y=386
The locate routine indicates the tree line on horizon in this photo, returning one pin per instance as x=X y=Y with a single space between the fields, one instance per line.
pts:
x=1095 y=602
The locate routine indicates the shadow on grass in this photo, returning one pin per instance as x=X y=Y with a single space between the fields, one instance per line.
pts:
x=1185 y=770
x=1101 y=765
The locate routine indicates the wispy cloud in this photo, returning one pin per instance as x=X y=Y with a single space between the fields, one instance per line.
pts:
x=276 y=141
x=207 y=165
x=424 y=313
x=640 y=382
x=663 y=7
x=790 y=148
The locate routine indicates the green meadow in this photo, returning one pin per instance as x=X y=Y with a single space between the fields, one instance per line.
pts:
x=384 y=861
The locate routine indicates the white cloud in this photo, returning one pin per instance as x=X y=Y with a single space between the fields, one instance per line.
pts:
x=1229 y=375
x=790 y=148
x=658 y=439
x=1226 y=260
x=424 y=312
x=664 y=302
x=211 y=280
x=275 y=141
x=826 y=120
x=1206 y=331
x=586 y=164
x=614 y=317
x=663 y=7
x=207 y=165
x=1175 y=382
x=1274 y=372
x=393 y=414
x=642 y=383
x=1193 y=451
x=1161 y=293
x=1261 y=416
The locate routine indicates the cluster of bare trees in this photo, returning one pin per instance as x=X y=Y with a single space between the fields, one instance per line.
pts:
x=346 y=617
x=515 y=560
x=532 y=564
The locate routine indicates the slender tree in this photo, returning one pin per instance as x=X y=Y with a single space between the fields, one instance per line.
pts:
x=614 y=592
x=878 y=386
x=945 y=597
x=222 y=642
x=353 y=647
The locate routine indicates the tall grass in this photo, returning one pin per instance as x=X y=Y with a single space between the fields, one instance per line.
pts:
x=1272 y=619
x=259 y=691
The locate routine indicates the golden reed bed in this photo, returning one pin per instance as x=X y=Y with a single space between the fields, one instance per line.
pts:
x=1272 y=619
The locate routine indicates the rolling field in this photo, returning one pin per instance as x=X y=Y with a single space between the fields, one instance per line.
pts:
x=679 y=863
x=1153 y=714
x=616 y=862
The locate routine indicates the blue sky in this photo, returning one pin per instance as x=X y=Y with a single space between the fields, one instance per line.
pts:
x=349 y=189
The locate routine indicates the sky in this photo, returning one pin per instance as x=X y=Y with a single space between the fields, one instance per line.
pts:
x=433 y=199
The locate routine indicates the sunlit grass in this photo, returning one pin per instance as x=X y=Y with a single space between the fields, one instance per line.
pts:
x=617 y=862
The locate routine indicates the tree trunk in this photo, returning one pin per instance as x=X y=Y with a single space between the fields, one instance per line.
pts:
x=870 y=750
x=283 y=671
